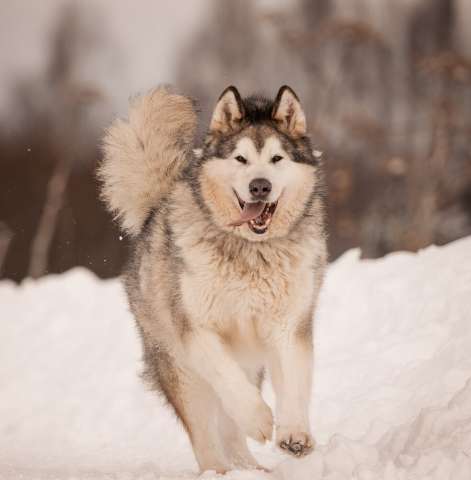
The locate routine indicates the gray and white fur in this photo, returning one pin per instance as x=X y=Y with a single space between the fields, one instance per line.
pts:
x=221 y=296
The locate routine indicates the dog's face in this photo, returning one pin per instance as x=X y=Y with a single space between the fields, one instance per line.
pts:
x=257 y=170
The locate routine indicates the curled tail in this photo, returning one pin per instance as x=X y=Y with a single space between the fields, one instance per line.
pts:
x=144 y=155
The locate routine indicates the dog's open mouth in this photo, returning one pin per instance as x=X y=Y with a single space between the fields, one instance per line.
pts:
x=258 y=215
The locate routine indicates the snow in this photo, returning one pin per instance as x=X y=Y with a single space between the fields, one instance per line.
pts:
x=391 y=395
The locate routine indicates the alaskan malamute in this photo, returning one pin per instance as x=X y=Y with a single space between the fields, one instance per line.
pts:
x=228 y=258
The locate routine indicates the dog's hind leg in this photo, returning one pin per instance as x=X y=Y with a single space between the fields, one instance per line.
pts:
x=235 y=443
x=218 y=443
x=194 y=402
x=233 y=438
x=198 y=407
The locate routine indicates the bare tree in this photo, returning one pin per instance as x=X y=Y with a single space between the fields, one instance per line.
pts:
x=71 y=99
x=5 y=238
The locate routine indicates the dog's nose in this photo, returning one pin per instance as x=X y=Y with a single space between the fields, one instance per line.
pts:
x=260 y=188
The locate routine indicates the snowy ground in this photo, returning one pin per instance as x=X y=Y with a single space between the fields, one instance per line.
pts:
x=392 y=385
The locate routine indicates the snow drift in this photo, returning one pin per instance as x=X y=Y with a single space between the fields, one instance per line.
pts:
x=392 y=379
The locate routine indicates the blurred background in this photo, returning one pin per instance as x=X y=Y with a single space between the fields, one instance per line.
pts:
x=386 y=86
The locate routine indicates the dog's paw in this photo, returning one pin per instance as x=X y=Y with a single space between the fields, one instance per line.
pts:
x=259 y=422
x=254 y=418
x=294 y=442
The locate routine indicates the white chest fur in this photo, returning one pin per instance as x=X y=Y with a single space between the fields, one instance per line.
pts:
x=255 y=289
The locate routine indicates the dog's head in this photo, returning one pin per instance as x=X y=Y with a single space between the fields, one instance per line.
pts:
x=257 y=172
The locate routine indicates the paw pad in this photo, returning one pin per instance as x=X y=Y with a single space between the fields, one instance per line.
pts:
x=297 y=447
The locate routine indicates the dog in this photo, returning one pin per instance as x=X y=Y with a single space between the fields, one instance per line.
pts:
x=228 y=256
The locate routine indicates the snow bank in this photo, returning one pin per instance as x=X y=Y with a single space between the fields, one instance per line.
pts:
x=392 y=379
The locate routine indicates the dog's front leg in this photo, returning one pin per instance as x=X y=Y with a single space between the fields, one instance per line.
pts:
x=290 y=363
x=242 y=401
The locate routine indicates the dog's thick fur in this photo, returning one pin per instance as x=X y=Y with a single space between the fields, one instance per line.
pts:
x=215 y=303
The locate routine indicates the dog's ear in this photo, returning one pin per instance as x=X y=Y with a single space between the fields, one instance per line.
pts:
x=229 y=111
x=288 y=113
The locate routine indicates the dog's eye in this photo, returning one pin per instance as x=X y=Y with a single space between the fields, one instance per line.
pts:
x=276 y=158
x=241 y=159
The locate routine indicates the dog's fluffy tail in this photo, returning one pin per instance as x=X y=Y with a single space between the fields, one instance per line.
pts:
x=144 y=155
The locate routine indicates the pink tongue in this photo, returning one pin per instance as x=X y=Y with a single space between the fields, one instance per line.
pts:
x=250 y=211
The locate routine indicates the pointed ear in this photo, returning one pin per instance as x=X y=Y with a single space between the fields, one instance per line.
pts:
x=229 y=111
x=287 y=112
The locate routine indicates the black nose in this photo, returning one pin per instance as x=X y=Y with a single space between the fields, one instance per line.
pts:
x=260 y=188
